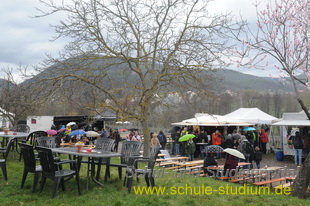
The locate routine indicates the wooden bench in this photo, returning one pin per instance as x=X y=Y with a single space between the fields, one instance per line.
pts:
x=167 y=163
x=269 y=181
x=239 y=180
x=224 y=178
x=194 y=172
x=282 y=186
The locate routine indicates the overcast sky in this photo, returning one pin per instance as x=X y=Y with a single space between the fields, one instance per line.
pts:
x=25 y=41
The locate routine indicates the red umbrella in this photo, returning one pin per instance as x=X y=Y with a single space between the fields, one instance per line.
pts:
x=123 y=130
x=51 y=132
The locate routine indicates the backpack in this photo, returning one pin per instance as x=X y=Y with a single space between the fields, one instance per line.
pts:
x=297 y=141
x=248 y=147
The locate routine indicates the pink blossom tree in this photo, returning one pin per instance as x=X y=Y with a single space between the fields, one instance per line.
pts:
x=282 y=35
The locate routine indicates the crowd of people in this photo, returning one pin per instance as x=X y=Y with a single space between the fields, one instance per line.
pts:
x=65 y=137
x=249 y=143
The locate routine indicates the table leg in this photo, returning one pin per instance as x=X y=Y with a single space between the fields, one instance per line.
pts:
x=93 y=171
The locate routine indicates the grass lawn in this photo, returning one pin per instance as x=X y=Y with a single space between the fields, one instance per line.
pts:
x=114 y=193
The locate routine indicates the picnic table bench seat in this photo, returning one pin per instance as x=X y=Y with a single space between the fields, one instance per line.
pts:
x=269 y=181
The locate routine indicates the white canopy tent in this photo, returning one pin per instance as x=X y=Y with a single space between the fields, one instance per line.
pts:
x=289 y=123
x=294 y=119
x=203 y=119
x=252 y=115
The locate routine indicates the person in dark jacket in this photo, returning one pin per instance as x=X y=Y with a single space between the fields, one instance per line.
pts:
x=117 y=137
x=230 y=165
x=190 y=149
x=298 y=145
x=229 y=143
x=209 y=161
x=307 y=143
x=257 y=157
x=162 y=139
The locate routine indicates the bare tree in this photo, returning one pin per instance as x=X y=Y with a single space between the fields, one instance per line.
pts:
x=131 y=51
x=283 y=35
x=17 y=101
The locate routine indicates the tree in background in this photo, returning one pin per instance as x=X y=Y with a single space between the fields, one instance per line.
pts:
x=283 y=32
x=130 y=52
x=16 y=101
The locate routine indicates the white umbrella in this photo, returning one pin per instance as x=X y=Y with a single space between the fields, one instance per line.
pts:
x=234 y=152
x=92 y=134
x=71 y=123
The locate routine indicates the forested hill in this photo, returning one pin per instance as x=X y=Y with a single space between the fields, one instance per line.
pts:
x=229 y=80
x=235 y=81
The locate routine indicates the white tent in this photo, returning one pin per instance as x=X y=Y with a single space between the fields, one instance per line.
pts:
x=294 y=119
x=203 y=119
x=252 y=115
x=290 y=122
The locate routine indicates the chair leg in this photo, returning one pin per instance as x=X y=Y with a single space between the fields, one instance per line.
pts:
x=152 y=180
x=129 y=183
x=62 y=180
x=42 y=183
x=120 y=172
x=98 y=171
x=146 y=177
x=3 y=167
x=78 y=183
x=24 y=178
x=35 y=181
x=56 y=184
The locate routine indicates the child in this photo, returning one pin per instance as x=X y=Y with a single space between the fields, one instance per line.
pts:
x=190 y=149
x=257 y=157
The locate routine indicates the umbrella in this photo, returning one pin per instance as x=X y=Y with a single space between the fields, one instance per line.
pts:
x=123 y=130
x=51 y=132
x=71 y=123
x=214 y=149
x=62 y=129
x=77 y=132
x=186 y=137
x=92 y=134
x=234 y=152
x=249 y=129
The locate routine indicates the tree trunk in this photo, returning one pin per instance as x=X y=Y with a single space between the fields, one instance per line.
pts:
x=147 y=138
x=301 y=183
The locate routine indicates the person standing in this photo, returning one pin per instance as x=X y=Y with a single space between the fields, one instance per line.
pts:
x=190 y=149
x=136 y=137
x=298 y=145
x=173 y=143
x=184 y=132
x=257 y=157
x=264 y=139
x=246 y=149
x=154 y=140
x=177 y=143
x=307 y=143
x=217 y=140
x=117 y=137
x=202 y=138
x=103 y=134
x=228 y=143
x=162 y=139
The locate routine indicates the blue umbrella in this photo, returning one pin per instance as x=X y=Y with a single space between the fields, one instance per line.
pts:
x=249 y=129
x=77 y=132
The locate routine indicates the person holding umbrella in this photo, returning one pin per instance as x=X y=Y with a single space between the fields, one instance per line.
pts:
x=190 y=148
x=231 y=163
